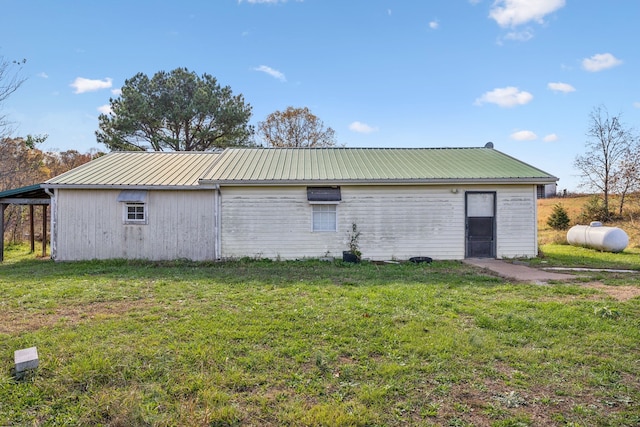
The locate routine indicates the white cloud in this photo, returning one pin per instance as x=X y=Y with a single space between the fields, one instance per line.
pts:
x=561 y=87
x=43 y=75
x=511 y=13
x=600 y=61
x=520 y=36
x=266 y=1
x=273 y=73
x=524 y=135
x=434 y=25
x=505 y=97
x=636 y=104
x=82 y=85
x=362 y=127
x=116 y=92
x=550 y=138
x=105 y=109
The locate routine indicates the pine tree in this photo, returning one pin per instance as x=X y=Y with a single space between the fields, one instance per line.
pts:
x=559 y=219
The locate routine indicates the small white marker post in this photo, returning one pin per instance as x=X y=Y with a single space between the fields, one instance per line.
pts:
x=25 y=359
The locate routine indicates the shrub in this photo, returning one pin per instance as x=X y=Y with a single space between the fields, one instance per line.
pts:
x=594 y=210
x=559 y=219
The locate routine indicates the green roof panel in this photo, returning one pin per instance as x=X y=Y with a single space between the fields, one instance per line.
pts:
x=290 y=165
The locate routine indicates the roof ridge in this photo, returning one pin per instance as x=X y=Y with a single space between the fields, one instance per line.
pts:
x=356 y=148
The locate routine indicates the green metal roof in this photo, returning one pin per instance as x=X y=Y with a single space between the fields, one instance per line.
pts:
x=241 y=166
x=138 y=169
x=255 y=166
x=31 y=192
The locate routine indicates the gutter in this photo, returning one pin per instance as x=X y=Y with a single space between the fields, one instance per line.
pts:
x=124 y=187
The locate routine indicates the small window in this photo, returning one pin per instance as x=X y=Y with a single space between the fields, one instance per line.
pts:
x=135 y=213
x=324 y=217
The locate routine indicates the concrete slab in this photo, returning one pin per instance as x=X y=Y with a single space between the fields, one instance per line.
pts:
x=518 y=272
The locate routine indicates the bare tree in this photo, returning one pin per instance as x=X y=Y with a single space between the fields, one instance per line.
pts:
x=10 y=81
x=296 y=127
x=627 y=179
x=610 y=163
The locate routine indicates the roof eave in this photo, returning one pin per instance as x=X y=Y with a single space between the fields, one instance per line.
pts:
x=125 y=187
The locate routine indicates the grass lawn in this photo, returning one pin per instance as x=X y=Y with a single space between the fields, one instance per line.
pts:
x=312 y=343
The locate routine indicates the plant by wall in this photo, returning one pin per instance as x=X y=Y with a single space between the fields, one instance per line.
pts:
x=354 y=237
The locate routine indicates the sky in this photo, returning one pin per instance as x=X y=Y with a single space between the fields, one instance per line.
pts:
x=523 y=74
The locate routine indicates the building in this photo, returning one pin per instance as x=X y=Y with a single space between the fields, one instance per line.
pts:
x=445 y=203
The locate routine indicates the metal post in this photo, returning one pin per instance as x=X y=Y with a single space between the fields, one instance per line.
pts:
x=2 y=208
x=32 y=232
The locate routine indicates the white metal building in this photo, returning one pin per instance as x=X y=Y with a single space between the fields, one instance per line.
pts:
x=445 y=203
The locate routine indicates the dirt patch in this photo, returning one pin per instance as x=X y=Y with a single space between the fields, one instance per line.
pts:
x=17 y=321
x=487 y=401
x=620 y=293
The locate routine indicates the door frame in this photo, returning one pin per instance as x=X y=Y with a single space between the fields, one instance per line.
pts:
x=466 y=222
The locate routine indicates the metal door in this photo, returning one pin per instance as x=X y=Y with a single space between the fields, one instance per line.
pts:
x=480 y=225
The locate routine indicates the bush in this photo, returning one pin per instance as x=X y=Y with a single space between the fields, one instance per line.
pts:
x=594 y=210
x=559 y=219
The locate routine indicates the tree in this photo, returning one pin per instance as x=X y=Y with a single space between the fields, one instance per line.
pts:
x=611 y=161
x=559 y=219
x=9 y=83
x=295 y=127
x=176 y=111
x=23 y=164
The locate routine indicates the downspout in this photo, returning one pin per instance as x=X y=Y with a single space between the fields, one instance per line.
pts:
x=54 y=223
x=217 y=212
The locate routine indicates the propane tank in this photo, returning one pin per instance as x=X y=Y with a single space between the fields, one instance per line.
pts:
x=596 y=236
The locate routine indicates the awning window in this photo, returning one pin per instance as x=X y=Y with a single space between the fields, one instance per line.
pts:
x=323 y=194
x=133 y=196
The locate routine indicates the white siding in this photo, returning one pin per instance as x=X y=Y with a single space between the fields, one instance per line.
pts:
x=396 y=222
x=90 y=226
x=273 y=222
x=516 y=218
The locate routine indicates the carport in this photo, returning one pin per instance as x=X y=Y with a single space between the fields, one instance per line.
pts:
x=32 y=196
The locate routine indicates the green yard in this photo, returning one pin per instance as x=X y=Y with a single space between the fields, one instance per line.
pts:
x=312 y=343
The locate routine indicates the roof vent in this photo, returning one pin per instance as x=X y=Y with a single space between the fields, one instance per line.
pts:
x=488 y=145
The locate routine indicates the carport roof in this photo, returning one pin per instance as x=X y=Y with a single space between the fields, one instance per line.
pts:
x=25 y=194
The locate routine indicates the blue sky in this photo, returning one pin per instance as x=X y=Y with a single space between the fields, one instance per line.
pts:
x=524 y=74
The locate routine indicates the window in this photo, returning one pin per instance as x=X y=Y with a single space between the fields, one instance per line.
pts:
x=323 y=194
x=135 y=206
x=135 y=213
x=324 y=217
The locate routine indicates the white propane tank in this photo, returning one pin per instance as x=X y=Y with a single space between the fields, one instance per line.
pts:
x=595 y=236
